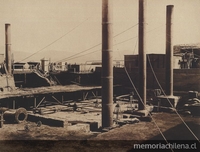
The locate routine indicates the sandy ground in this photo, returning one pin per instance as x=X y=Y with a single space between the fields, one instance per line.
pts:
x=14 y=137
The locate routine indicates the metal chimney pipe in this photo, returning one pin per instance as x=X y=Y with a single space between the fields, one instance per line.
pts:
x=8 y=48
x=142 y=54
x=169 y=50
x=107 y=65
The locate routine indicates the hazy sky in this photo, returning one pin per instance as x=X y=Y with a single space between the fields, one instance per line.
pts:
x=62 y=28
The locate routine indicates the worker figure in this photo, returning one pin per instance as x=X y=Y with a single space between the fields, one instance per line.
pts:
x=184 y=62
x=75 y=107
x=115 y=99
x=117 y=111
x=189 y=57
x=96 y=103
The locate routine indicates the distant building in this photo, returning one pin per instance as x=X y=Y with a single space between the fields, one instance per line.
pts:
x=45 y=65
x=189 y=54
x=29 y=66
x=157 y=61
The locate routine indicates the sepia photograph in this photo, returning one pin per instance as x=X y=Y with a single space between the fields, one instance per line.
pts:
x=99 y=75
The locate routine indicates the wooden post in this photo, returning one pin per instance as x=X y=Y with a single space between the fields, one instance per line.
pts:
x=34 y=102
x=1 y=120
x=13 y=104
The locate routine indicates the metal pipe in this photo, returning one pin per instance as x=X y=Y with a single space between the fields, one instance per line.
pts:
x=8 y=48
x=169 y=50
x=142 y=54
x=19 y=115
x=107 y=65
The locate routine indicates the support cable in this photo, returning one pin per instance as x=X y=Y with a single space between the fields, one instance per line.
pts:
x=79 y=53
x=137 y=35
x=135 y=46
x=55 y=40
x=74 y=56
x=146 y=108
x=125 y=30
x=69 y=58
x=82 y=55
x=170 y=102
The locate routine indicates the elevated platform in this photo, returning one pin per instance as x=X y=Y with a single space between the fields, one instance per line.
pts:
x=46 y=90
x=33 y=98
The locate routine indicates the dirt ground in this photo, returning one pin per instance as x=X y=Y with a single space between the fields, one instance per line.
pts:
x=14 y=137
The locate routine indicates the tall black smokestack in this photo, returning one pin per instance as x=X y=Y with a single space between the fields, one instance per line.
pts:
x=8 y=49
x=142 y=54
x=169 y=50
x=107 y=65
